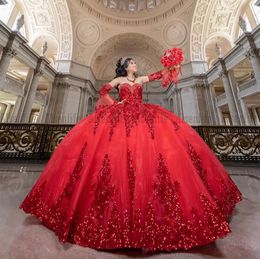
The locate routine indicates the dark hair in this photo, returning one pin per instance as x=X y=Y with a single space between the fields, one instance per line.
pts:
x=121 y=69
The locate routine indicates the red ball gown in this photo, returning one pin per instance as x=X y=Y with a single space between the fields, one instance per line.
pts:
x=133 y=175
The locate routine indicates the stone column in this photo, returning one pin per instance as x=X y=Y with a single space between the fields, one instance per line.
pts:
x=220 y=116
x=8 y=54
x=41 y=112
x=253 y=55
x=247 y=119
x=85 y=105
x=213 y=104
x=51 y=114
x=15 y=112
x=58 y=102
x=235 y=90
x=258 y=111
x=3 y=107
x=203 y=103
x=256 y=118
x=91 y=104
x=30 y=96
x=180 y=109
x=7 y=113
x=82 y=104
x=176 y=105
x=230 y=95
x=46 y=105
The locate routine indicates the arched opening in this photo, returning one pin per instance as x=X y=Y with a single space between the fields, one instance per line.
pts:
x=11 y=12
x=143 y=49
x=215 y=47
x=52 y=47
x=251 y=14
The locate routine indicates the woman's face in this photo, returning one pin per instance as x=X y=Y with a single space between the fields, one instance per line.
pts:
x=132 y=67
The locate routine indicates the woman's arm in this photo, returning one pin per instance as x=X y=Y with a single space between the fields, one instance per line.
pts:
x=154 y=76
x=116 y=81
x=104 y=98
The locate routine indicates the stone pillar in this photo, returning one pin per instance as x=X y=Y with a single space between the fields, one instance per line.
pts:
x=57 y=111
x=258 y=111
x=213 y=104
x=253 y=55
x=229 y=95
x=235 y=91
x=3 y=107
x=8 y=54
x=45 y=107
x=247 y=119
x=180 y=110
x=30 y=96
x=7 y=113
x=41 y=112
x=51 y=114
x=82 y=104
x=91 y=104
x=176 y=105
x=256 y=118
x=203 y=103
x=220 y=116
x=15 y=112
x=85 y=105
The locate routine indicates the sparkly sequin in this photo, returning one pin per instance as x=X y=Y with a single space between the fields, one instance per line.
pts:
x=155 y=76
x=75 y=175
x=105 y=225
x=229 y=194
x=90 y=207
x=131 y=111
x=102 y=189
x=131 y=175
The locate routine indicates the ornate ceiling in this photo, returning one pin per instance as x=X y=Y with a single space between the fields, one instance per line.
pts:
x=49 y=18
x=131 y=5
x=153 y=11
x=102 y=35
x=143 y=49
x=96 y=33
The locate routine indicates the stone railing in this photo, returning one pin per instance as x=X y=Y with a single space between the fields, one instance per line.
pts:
x=38 y=141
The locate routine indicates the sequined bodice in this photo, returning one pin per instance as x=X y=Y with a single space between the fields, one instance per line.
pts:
x=131 y=92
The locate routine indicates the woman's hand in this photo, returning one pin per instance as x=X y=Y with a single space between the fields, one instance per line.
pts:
x=173 y=67
x=121 y=101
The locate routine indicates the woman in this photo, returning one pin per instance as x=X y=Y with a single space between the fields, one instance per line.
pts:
x=133 y=174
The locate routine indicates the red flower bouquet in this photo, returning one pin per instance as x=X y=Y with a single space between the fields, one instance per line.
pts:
x=172 y=59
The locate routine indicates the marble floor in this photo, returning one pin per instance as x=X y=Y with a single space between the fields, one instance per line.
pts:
x=23 y=237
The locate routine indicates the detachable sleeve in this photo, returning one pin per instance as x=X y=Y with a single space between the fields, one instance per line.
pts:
x=155 y=76
x=167 y=76
x=104 y=98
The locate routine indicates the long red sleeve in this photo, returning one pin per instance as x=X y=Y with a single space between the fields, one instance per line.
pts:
x=166 y=75
x=156 y=75
x=104 y=98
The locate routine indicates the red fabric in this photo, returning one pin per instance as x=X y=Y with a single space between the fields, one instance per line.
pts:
x=134 y=175
x=172 y=60
x=104 y=98
x=155 y=76
x=167 y=75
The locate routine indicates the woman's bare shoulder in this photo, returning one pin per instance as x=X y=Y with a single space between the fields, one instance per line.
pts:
x=142 y=79
x=116 y=81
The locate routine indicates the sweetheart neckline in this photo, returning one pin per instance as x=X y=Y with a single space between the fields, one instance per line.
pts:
x=130 y=86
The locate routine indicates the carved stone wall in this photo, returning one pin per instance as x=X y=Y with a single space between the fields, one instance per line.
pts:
x=51 y=17
x=216 y=17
